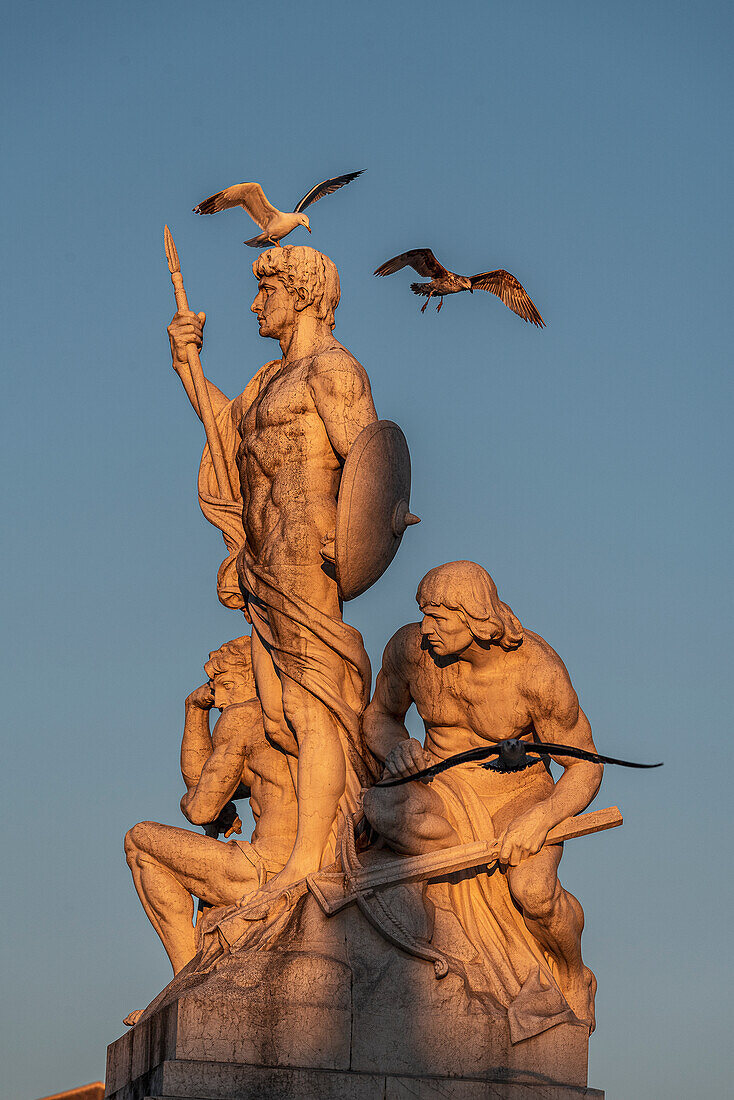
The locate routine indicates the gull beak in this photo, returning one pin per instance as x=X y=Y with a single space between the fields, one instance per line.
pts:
x=308 y=227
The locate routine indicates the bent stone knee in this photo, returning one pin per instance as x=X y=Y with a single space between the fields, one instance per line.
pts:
x=382 y=806
x=135 y=839
x=536 y=899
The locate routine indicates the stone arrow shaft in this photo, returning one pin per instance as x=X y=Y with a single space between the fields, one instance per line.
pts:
x=334 y=889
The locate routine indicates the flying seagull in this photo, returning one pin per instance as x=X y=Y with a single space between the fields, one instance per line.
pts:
x=512 y=756
x=499 y=282
x=275 y=224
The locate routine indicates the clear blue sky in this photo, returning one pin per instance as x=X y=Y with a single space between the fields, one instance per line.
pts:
x=584 y=147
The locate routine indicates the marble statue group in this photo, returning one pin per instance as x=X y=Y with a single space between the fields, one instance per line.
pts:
x=450 y=881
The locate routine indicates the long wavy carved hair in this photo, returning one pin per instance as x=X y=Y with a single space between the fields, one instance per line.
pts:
x=301 y=268
x=466 y=587
x=236 y=655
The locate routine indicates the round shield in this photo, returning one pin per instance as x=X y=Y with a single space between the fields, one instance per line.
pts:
x=372 y=510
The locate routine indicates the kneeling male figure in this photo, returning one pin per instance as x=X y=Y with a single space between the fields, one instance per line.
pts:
x=171 y=866
x=475 y=675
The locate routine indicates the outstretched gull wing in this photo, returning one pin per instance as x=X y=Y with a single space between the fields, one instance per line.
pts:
x=483 y=753
x=547 y=748
x=328 y=187
x=250 y=196
x=421 y=260
x=468 y=757
x=512 y=293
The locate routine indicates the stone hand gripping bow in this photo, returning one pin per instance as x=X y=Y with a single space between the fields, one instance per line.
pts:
x=334 y=888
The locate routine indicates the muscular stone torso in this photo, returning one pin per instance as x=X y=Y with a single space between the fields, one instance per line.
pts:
x=289 y=472
x=463 y=707
x=266 y=775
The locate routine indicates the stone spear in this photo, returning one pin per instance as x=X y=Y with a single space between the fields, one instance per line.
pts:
x=201 y=389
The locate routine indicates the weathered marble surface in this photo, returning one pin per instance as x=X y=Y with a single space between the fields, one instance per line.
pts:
x=335 y=1008
x=468 y=984
x=175 y=1080
x=282 y=445
x=478 y=678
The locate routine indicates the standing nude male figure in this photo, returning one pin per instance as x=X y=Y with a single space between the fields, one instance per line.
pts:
x=171 y=866
x=286 y=438
x=475 y=675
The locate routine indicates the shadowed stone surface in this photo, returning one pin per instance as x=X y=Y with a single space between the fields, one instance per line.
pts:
x=340 y=1013
x=218 y=1081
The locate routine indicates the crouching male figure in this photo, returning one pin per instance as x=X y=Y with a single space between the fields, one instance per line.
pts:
x=476 y=676
x=171 y=866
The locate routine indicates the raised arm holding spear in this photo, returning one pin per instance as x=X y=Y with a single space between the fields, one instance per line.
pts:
x=202 y=402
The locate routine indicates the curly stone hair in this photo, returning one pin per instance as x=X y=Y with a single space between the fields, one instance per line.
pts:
x=466 y=587
x=236 y=655
x=306 y=273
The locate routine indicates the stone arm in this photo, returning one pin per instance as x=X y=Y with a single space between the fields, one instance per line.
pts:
x=343 y=398
x=213 y=778
x=557 y=717
x=384 y=719
x=196 y=744
x=188 y=328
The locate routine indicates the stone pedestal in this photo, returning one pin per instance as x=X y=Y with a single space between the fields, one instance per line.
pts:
x=335 y=1013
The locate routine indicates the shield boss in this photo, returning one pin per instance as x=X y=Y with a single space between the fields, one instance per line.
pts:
x=372 y=509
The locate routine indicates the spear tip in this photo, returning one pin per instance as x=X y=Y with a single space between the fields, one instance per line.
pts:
x=171 y=252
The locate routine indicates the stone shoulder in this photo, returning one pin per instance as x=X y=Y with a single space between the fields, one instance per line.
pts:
x=340 y=367
x=544 y=676
x=536 y=651
x=405 y=645
x=240 y=722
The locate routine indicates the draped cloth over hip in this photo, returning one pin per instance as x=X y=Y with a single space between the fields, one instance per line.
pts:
x=226 y=514
x=508 y=969
x=321 y=653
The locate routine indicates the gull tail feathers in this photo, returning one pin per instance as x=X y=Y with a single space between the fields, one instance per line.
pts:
x=259 y=242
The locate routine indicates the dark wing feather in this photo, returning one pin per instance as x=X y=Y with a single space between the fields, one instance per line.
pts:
x=512 y=293
x=548 y=749
x=328 y=187
x=475 y=755
x=467 y=757
x=421 y=260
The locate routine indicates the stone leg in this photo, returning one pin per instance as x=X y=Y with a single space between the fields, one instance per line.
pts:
x=556 y=920
x=412 y=818
x=169 y=865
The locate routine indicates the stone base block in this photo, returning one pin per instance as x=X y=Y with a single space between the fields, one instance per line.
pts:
x=218 y=1080
x=337 y=1013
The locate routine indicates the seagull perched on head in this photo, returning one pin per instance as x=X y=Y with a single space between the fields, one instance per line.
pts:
x=499 y=282
x=275 y=224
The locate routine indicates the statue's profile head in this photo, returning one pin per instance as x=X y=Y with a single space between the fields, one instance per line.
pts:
x=310 y=278
x=460 y=604
x=230 y=670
